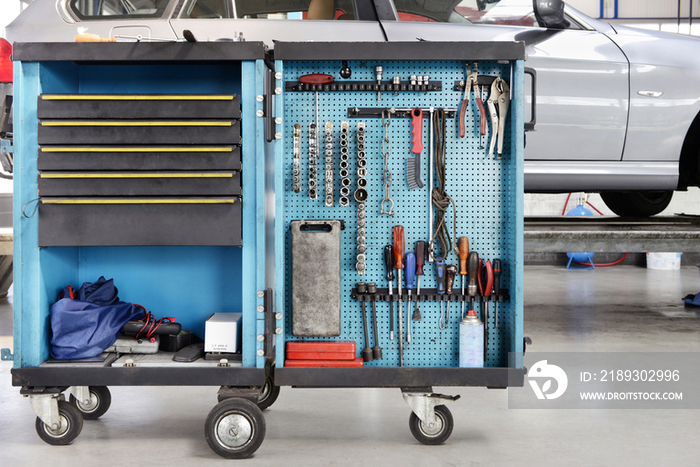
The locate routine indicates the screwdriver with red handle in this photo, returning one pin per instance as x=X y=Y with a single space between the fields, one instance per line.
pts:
x=398 y=264
x=485 y=287
x=420 y=259
x=463 y=249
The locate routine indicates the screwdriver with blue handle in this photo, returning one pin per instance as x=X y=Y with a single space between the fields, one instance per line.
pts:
x=410 y=274
x=441 y=278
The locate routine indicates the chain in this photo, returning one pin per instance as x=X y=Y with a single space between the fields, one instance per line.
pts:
x=296 y=167
x=361 y=196
x=329 y=164
x=386 y=151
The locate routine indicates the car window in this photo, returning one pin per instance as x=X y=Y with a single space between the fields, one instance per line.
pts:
x=271 y=9
x=493 y=12
x=96 y=9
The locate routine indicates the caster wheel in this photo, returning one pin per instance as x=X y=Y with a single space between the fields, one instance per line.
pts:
x=70 y=425
x=433 y=435
x=100 y=400
x=235 y=428
x=268 y=394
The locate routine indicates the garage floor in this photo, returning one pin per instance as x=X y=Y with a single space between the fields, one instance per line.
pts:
x=610 y=309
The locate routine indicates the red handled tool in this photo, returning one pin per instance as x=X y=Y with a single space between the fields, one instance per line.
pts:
x=413 y=163
x=472 y=83
x=496 y=285
x=316 y=78
x=485 y=287
x=398 y=264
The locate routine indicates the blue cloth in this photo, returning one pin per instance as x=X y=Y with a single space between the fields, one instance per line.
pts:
x=692 y=300
x=85 y=327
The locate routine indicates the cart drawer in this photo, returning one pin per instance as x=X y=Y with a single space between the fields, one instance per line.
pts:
x=139 y=132
x=133 y=106
x=141 y=157
x=139 y=222
x=139 y=184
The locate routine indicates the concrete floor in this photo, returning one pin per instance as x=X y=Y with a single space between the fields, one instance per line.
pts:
x=610 y=309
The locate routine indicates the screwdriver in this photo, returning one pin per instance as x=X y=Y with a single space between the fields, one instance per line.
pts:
x=472 y=268
x=441 y=278
x=451 y=273
x=398 y=264
x=485 y=288
x=496 y=286
x=420 y=258
x=463 y=250
x=410 y=273
x=389 y=262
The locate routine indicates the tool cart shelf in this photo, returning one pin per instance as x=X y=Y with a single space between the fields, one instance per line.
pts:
x=170 y=167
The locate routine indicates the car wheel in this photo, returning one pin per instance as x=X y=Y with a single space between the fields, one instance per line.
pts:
x=637 y=203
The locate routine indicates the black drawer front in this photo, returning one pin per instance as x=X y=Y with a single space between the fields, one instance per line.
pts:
x=142 y=158
x=140 y=184
x=108 y=106
x=169 y=222
x=139 y=132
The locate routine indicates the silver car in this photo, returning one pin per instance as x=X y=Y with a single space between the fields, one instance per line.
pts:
x=610 y=109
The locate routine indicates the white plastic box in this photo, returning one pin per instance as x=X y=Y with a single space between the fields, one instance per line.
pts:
x=222 y=333
x=664 y=261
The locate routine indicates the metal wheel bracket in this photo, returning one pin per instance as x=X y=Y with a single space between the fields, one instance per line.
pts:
x=423 y=404
x=228 y=392
x=81 y=394
x=45 y=406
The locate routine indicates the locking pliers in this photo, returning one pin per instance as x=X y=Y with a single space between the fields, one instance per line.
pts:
x=500 y=93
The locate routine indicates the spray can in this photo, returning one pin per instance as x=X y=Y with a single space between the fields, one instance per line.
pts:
x=471 y=341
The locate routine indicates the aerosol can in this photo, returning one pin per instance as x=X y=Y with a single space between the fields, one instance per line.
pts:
x=471 y=341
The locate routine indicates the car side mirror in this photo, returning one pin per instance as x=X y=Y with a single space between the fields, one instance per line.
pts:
x=550 y=13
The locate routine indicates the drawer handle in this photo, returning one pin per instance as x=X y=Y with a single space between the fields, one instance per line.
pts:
x=122 y=123
x=138 y=201
x=129 y=149
x=136 y=175
x=134 y=97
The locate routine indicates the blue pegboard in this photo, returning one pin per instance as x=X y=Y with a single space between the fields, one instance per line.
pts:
x=485 y=192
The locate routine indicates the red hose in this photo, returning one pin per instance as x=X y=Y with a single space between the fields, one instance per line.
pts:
x=595 y=208
x=602 y=265
x=563 y=211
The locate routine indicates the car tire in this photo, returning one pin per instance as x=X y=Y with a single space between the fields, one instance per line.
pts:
x=637 y=203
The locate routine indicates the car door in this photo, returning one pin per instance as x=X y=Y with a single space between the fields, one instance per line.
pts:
x=582 y=88
x=279 y=20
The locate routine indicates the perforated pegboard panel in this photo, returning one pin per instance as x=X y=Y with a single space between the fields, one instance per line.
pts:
x=482 y=188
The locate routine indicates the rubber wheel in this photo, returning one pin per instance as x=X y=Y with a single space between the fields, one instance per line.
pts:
x=637 y=203
x=71 y=424
x=438 y=435
x=268 y=394
x=100 y=400
x=235 y=428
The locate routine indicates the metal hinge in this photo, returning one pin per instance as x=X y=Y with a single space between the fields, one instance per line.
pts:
x=6 y=355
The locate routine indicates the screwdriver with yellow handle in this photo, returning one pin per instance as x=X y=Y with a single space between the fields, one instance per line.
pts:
x=463 y=250
x=398 y=264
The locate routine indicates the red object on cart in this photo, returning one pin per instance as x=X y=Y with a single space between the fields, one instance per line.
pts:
x=321 y=350
x=324 y=363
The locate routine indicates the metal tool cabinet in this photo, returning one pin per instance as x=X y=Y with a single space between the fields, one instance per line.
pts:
x=229 y=242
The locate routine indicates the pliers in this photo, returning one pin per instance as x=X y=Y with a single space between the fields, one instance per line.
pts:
x=500 y=93
x=471 y=82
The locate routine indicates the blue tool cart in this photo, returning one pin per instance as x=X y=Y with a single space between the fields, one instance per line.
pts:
x=225 y=177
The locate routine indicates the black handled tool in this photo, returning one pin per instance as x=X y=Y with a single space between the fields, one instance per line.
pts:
x=441 y=278
x=389 y=263
x=420 y=260
x=496 y=286
x=451 y=273
x=366 y=352
x=473 y=271
x=376 y=350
